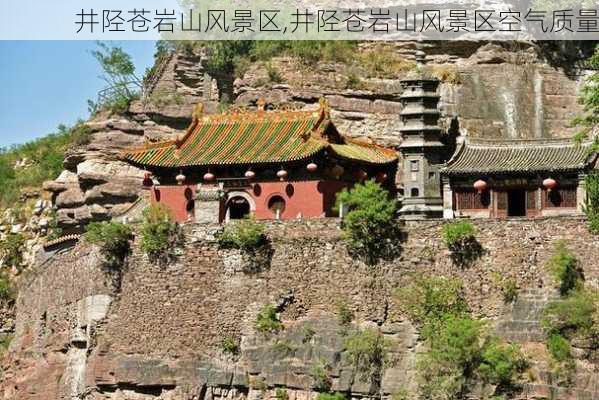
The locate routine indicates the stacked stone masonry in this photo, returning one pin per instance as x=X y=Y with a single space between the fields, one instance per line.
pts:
x=159 y=335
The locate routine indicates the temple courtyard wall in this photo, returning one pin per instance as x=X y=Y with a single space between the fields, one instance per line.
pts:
x=156 y=331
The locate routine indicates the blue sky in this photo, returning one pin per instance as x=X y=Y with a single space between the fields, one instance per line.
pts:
x=46 y=83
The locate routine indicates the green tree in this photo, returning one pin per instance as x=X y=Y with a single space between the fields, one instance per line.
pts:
x=370 y=227
x=368 y=351
x=589 y=99
x=118 y=73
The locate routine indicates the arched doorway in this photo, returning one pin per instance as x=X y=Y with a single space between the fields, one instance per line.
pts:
x=238 y=208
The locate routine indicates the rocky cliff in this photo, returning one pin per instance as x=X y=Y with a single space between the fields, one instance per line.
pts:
x=158 y=336
x=160 y=333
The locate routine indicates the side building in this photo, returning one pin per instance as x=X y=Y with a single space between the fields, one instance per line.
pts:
x=516 y=178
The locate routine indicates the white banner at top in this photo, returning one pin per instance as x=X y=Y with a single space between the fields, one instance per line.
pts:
x=299 y=20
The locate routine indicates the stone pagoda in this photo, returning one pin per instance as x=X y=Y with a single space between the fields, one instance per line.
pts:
x=421 y=147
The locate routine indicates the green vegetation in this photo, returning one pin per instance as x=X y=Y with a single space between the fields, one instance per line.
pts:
x=575 y=315
x=281 y=394
x=591 y=206
x=383 y=61
x=501 y=362
x=159 y=234
x=331 y=396
x=320 y=373
x=5 y=340
x=273 y=73
x=6 y=290
x=246 y=234
x=113 y=239
x=344 y=314
x=230 y=346
x=559 y=347
x=267 y=320
x=460 y=239
x=563 y=266
x=509 y=288
x=11 y=250
x=458 y=348
x=589 y=99
x=368 y=351
x=43 y=159
x=123 y=85
x=429 y=300
x=370 y=228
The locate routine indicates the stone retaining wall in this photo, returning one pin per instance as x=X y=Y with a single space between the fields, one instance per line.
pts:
x=162 y=335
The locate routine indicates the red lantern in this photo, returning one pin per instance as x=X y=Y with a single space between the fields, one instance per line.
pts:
x=180 y=178
x=312 y=167
x=549 y=184
x=209 y=176
x=361 y=174
x=381 y=177
x=250 y=174
x=337 y=171
x=480 y=186
x=147 y=182
x=282 y=174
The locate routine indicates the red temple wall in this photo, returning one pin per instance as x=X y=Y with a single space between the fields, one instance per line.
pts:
x=175 y=198
x=308 y=199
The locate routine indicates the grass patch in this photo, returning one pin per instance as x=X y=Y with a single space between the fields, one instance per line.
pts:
x=267 y=320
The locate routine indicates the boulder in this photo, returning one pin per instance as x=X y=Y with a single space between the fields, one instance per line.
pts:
x=102 y=171
x=70 y=198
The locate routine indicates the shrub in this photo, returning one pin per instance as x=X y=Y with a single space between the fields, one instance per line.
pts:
x=457 y=346
x=247 y=235
x=11 y=249
x=5 y=340
x=368 y=351
x=559 y=347
x=453 y=355
x=330 y=396
x=6 y=292
x=229 y=346
x=563 y=265
x=460 y=239
x=370 y=228
x=384 y=62
x=509 y=289
x=159 y=234
x=344 y=314
x=501 y=362
x=281 y=394
x=446 y=73
x=457 y=232
x=273 y=73
x=353 y=82
x=573 y=316
x=320 y=375
x=113 y=239
x=591 y=206
x=430 y=300
x=267 y=320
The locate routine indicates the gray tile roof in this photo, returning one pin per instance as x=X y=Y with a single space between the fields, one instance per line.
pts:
x=510 y=156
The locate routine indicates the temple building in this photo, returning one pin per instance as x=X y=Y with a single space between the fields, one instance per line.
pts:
x=516 y=178
x=273 y=164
